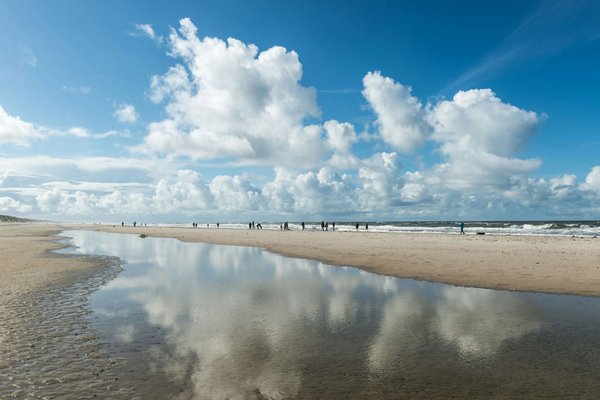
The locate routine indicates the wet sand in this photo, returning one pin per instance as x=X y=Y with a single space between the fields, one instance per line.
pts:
x=562 y=265
x=48 y=348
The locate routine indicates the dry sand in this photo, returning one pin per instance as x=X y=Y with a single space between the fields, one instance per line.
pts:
x=525 y=263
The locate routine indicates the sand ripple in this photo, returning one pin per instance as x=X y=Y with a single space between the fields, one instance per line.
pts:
x=48 y=347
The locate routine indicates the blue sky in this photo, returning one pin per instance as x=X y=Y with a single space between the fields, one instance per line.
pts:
x=376 y=110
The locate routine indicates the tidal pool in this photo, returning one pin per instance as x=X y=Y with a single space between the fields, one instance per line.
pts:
x=196 y=321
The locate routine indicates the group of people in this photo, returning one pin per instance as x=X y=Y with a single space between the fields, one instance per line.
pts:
x=134 y=224
x=252 y=225
x=195 y=225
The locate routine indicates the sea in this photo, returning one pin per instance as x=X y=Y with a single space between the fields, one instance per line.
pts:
x=531 y=228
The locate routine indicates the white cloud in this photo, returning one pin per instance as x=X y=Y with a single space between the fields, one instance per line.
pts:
x=146 y=30
x=126 y=113
x=400 y=116
x=16 y=131
x=592 y=180
x=21 y=133
x=229 y=100
x=8 y=204
x=478 y=121
x=480 y=135
x=380 y=181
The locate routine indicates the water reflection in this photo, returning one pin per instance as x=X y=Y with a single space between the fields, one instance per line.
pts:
x=240 y=322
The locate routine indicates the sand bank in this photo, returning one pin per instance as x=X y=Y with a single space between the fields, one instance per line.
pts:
x=525 y=263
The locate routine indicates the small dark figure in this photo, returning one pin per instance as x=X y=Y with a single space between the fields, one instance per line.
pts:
x=333 y=226
x=280 y=227
x=302 y=225
x=357 y=226
x=249 y=225
x=326 y=226
x=367 y=226
x=462 y=228
x=322 y=225
x=134 y=223
x=253 y=226
x=286 y=226
x=207 y=226
x=259 y=226
x=217 y=225
x=122 y=223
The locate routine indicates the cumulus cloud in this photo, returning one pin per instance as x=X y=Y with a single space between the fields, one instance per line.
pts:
x=340 y=138
x=476 y=120
x=126 y=113
x=400 y=116
x=8 y=204
x=478 y=135
x=229 y=100
x=592 y=180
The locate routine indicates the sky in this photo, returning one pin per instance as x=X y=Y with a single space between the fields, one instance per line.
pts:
x=232 y=111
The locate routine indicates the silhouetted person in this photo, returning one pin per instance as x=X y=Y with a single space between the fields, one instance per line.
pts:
x=122 y=223
x=357 y=226
x=134 y=224
x=322 y=225
x=217 y=225
x=462 y=228
x=302 y=225
x=333 y=226
x=326 y=226
x=249 y=225
x=367 y=226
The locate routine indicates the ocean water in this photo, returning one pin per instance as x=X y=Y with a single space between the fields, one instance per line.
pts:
x=201 y=321
x=539 y=228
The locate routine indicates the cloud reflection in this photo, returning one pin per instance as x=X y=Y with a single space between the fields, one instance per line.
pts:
x=241 y=322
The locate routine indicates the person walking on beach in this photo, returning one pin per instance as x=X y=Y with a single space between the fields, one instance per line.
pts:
x=462 y=228
x=322 y=225
x=367 y=226
x=302 y=225
x=357 y=226
x=333 y=226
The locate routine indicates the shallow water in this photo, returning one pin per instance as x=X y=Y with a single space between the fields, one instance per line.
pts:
x=192 y=320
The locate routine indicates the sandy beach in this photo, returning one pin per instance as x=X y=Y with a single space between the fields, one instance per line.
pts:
x=45 y=339
x=44 y=297
x=526 y=263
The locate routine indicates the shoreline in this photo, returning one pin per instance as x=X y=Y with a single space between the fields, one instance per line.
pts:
x=44 y=304
x=546 y=264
